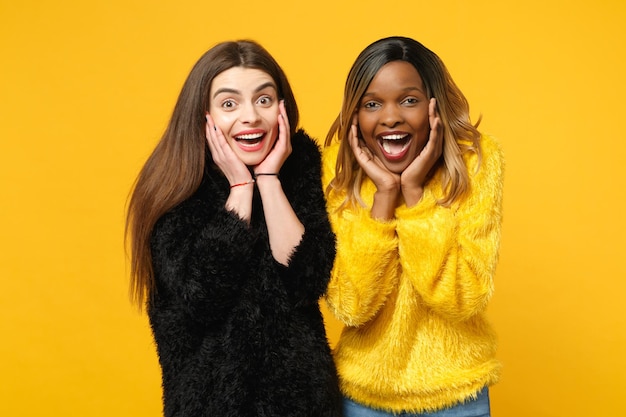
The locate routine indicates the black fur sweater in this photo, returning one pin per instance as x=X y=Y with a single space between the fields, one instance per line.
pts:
x=237 y=333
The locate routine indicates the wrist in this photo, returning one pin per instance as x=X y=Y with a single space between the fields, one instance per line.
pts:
x=265 y=174
x=412 y=195
x=384 y=204
x=387 y=194
x=241 y=184
x=266 y=178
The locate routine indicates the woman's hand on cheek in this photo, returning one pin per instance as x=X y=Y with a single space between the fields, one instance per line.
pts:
x=282 y=147
x=384 y=179
x=414 y=176
x=227 y=161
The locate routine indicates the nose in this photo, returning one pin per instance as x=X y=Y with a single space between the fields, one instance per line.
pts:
x=249 y=114
x=391 y=116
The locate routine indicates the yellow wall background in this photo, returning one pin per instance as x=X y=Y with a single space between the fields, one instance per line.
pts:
x=87 y=88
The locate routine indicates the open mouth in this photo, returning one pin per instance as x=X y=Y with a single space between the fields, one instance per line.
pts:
x=250 y=139
x=395 y=145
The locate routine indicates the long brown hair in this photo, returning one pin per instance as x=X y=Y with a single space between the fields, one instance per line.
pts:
x=174 y=170
x=452 y=106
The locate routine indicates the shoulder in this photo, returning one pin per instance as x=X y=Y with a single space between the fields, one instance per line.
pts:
x=329 y=161
x=304 y=146
x=197 y=207
x=183 y=218
x=305 y=155
x=491 y=146
x=487 y=172
x=330 y=152
x=491 y=156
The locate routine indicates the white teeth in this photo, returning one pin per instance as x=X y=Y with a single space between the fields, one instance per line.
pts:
x=392 y=147
x=251 y=136
x=393 y=137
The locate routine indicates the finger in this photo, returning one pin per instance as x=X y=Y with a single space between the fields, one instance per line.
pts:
x=361 y=152
x=432 y=109
x=283 y=127
x=210 y=125
x=209 y=132
x=434 y=139
x=353 y=140
x=437 y=137
x=217 y=142
x=284 y=116
x=215 y=131
x=433 y=115
x=353 y=137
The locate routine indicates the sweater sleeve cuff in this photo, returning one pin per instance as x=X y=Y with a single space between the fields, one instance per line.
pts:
x=365 y=225
x=426 y=205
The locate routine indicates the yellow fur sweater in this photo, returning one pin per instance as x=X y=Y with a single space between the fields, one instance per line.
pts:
x=412 y=292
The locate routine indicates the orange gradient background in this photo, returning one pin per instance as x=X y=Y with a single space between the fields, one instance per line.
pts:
x=87 y=89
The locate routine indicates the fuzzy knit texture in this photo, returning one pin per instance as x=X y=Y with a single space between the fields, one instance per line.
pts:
x=237 y=333
x=412 y=292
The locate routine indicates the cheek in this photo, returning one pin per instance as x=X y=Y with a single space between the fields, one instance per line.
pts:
x=223 y=120
x=421 y=138
x=366 y=127
x=273 y=122
x=363 y=124
x=420 y=124
x=271 y=118
x=422 y=118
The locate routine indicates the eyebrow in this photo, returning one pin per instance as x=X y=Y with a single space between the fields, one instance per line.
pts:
x=406 y=90
x=234 y=91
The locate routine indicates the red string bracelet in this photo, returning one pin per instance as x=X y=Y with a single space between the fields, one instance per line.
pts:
x=243 y=183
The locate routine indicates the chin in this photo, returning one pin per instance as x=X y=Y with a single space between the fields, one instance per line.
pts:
x=396 y=168
x=252 y=160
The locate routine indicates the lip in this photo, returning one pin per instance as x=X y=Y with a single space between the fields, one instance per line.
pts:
x=250 y=140
x=394 y=135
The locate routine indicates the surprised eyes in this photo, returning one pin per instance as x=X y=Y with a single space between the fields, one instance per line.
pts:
x=407 y=102
x=263 y=101
x=228 y=104
x=370 y=105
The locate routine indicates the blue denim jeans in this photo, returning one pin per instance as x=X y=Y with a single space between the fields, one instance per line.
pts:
x=473 y=408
